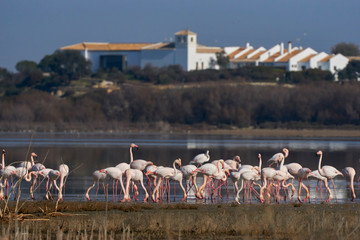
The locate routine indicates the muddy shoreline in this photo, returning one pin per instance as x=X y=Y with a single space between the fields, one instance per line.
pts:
x=190 y=221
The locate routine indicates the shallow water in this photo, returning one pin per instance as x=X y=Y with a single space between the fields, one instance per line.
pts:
x=87 y=152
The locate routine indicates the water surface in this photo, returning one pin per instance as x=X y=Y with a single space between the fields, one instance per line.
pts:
x=87 y=152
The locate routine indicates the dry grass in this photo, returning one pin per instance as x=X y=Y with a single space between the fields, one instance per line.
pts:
x=188 y=221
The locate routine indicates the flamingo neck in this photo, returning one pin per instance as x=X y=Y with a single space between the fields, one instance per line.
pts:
x=260 y=163
x=319 y=165
x=3 y=160
x=32 y=161
x=174 y=166
x=282 y=163
x=218 y=168
x=131 y=155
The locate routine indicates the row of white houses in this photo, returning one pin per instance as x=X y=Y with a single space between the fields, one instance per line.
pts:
x=185 y=51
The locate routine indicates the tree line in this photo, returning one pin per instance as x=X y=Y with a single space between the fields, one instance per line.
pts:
x=321 y=105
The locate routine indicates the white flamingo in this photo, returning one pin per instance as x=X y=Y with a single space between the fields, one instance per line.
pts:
x=329 y=172
x=97 y=177
x=200 y=158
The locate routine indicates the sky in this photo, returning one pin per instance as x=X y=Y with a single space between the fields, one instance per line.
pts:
x=30 y=30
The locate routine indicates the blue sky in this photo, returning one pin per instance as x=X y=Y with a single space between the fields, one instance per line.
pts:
x=29 y=30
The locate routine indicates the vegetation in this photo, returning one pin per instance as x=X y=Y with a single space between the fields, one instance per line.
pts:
x=346 y=49
x=60 y=93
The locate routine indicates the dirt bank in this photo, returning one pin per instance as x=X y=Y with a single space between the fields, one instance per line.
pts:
x=190 y=221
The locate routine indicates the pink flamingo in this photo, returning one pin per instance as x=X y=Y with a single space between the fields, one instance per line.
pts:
x=97 y=177
x=6 y=172
x=115 y=174
x=165 y=173
x=329 y=172
x=349 y=173
x=124 y=166
x=209 y=170
x=301 y=174
x=64 y=172
x=28 y=164
x=234 y=163
x=134 y=175
x=53 y=176
x=189 y=174
x=248 y=177
x=277 y=157
x=315 y=174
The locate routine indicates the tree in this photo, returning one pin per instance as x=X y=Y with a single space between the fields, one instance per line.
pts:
x=26 y=66
x=346 y=49
x=351 y=72
x=69 y=63
x=222 y=60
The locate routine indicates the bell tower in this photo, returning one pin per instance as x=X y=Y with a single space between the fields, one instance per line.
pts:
x=185 y=49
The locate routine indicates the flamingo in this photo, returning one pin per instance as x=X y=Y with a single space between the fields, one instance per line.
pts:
x=277 y=157
x=329 y=172
x=230 y=166
x=26 y=164
x=64 y=172
x=53 y=176
x=115 y=174
x=315 y=174
x=189 y=173
x=234 y=163
x=178 y=177
x=281 y=176
x=248 y=176
x=349 y=173
x=97 y=176
x=124 y=166
x=134 y=175
x=222 y=177
x=6 y=172
x=200 y=158
x=209 y=170
x=165 y=173
x=301 y=174
x=235 y=176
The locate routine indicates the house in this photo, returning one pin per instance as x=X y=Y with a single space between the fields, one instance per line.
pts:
x=184 y=51
x=290 y=59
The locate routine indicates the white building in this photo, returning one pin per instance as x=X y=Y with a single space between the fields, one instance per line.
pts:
x=290 y=59
x=184 y=51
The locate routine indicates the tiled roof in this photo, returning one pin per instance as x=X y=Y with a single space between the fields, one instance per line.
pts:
x=288 y=56
x=185 y=32
x=245 y=54
x=257 y=55
x=231 y=55
x=306 y=59
x=272 y=57
x=107 y=46
x=327 y=58
x=160 y=46
x=208 y=50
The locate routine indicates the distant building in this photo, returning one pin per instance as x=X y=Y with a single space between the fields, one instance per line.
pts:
x=186 y=52
x=290 y=59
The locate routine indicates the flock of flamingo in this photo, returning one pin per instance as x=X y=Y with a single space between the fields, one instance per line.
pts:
x=32 y=172
x=271 y=181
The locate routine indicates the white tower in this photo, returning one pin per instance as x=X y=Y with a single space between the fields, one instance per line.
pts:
x=185 y=49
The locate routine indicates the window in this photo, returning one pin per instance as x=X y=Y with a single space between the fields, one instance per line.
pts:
x=191 y=39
